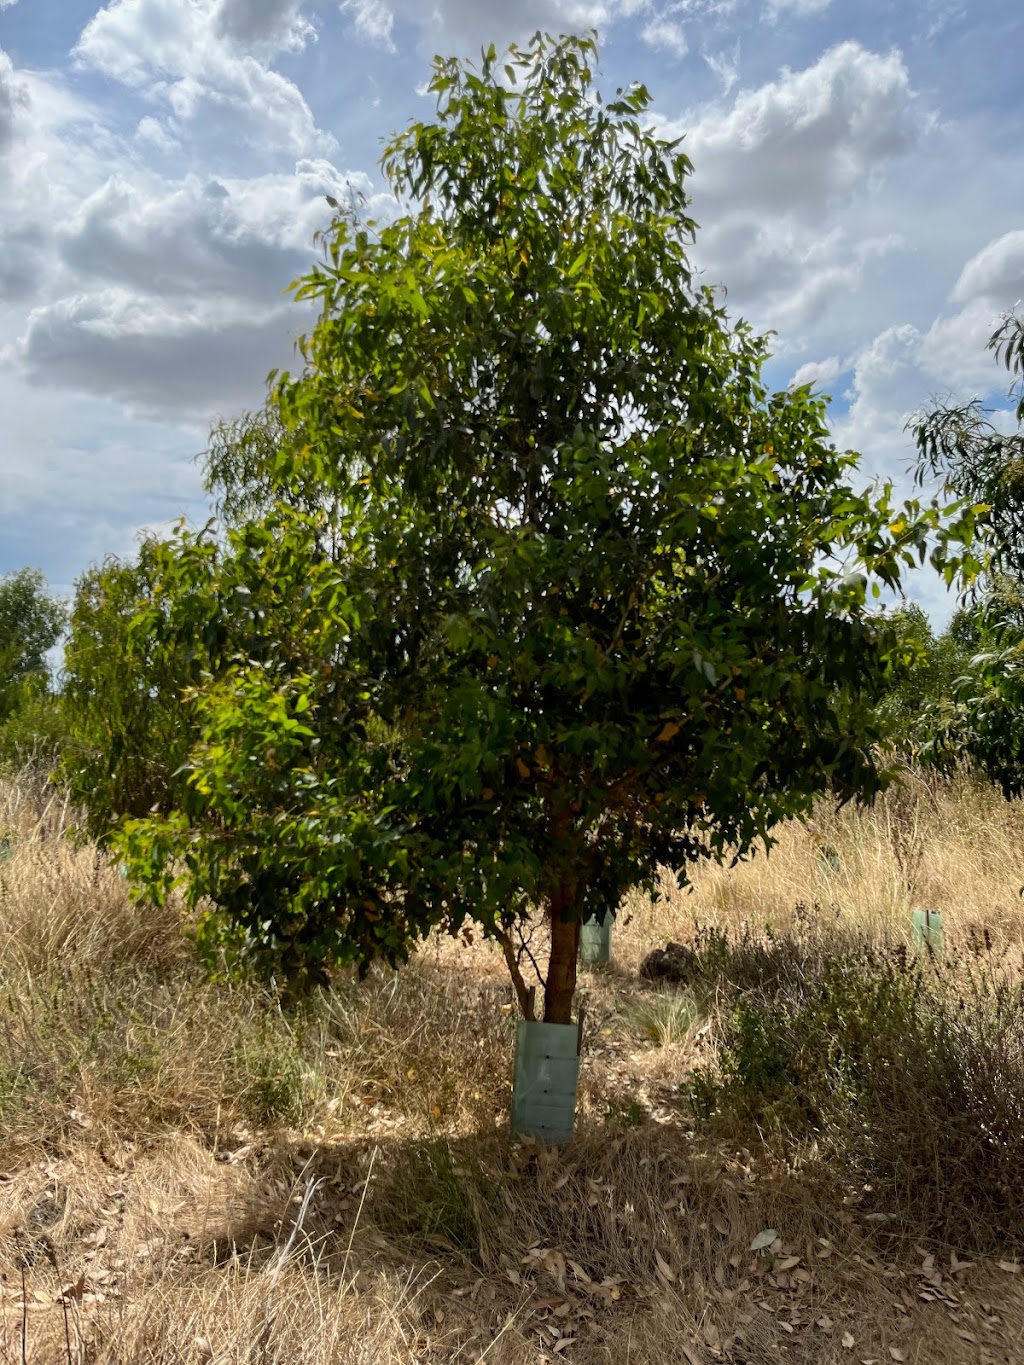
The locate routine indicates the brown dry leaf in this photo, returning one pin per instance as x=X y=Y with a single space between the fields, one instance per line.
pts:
x=75 y=1290
x=896 y=1353
x=563 y=1342
x=664 y=1270
x=1011 y=1267
x=720 y=1225
x=848 y=1341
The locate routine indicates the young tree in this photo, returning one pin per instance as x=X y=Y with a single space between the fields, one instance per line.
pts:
x=31 y=623
x=581 y=592
x=127 y=728
x=976 y=459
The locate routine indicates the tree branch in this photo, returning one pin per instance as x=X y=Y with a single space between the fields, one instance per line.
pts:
x=522 y=991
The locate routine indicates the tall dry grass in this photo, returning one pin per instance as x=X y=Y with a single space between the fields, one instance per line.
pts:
x=190 y=1173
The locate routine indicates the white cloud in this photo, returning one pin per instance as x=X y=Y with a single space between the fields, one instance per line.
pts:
x=194 y=359
x=810 y=137
x=725 y=67
x=663 y=32
x=13 y=100
x=818 y=373
x=784 y=175
x=275 y=24
x=179 y=300
x=196 y=58
x=996 y=272
x=464 y=26
x=803 y=9
x=203 y=235
x=374 y=21
x=157 y=135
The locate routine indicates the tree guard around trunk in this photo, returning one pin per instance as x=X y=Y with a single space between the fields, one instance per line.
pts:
x=928 y=929
x=547 y=1073
x=596 y=940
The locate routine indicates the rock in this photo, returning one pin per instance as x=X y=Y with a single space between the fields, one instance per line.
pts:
x=674 y=963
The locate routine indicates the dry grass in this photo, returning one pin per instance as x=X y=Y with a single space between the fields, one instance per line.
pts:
x=189 y=1174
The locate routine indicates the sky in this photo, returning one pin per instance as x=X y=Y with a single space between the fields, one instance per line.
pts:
x=858 y=184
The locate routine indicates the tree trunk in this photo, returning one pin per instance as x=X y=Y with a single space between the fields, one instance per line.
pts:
x=561 y=982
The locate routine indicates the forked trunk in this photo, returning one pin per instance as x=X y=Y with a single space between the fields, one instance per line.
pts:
x=561 y=983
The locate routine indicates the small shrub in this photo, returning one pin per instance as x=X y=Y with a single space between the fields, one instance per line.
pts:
x=907 y=1076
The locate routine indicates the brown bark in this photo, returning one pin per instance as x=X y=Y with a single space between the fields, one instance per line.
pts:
x=523 y=994
x=561 y=983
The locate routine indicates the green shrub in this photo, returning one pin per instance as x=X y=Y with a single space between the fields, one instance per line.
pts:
x=904 y=1075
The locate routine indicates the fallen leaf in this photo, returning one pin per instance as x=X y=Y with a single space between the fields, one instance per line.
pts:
x=663 y=1267
x=763 y=1239
x=1011 y=1267
x=896 y=1353
x=848 y=1341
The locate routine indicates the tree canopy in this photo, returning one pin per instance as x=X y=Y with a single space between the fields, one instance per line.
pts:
x=976 y=458
x=31 y=623
x=577 y=593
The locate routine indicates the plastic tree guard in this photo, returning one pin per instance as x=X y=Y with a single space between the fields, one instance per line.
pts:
x=596 y=940
x=928 y=929
x=547 y=1073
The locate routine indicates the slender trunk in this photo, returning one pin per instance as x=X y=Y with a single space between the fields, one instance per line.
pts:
x=561 y=982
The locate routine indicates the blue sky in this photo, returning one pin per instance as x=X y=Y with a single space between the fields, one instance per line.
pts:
x=858 y=181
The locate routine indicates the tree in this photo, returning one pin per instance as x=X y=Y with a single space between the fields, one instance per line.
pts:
x=127 y=731
x=934 y=664
x=579 y=592
x=959 y=444
x=31 y=623
x=974 y=458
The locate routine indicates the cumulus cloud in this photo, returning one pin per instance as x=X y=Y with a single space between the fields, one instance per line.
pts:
x=204 y=235
x=777 y=169
x=996 y=272
x=810 y=137
x=463 y=26
x=49 y=148
x=179 y=297
x=196 y=58
x=155 y=359
x=818 y=373
x=13 y=100
x=276 y=24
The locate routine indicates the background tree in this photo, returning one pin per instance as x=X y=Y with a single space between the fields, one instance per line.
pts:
x=127 y=731
x=579 y=593
x=31 y=624
x=974 y=458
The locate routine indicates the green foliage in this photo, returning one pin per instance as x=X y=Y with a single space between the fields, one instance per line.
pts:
x=34 y=730
x=577 y=593
x=930 y=682
x=128 y=732
x=959 y=444
x=31 y=623
x=976 y=459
